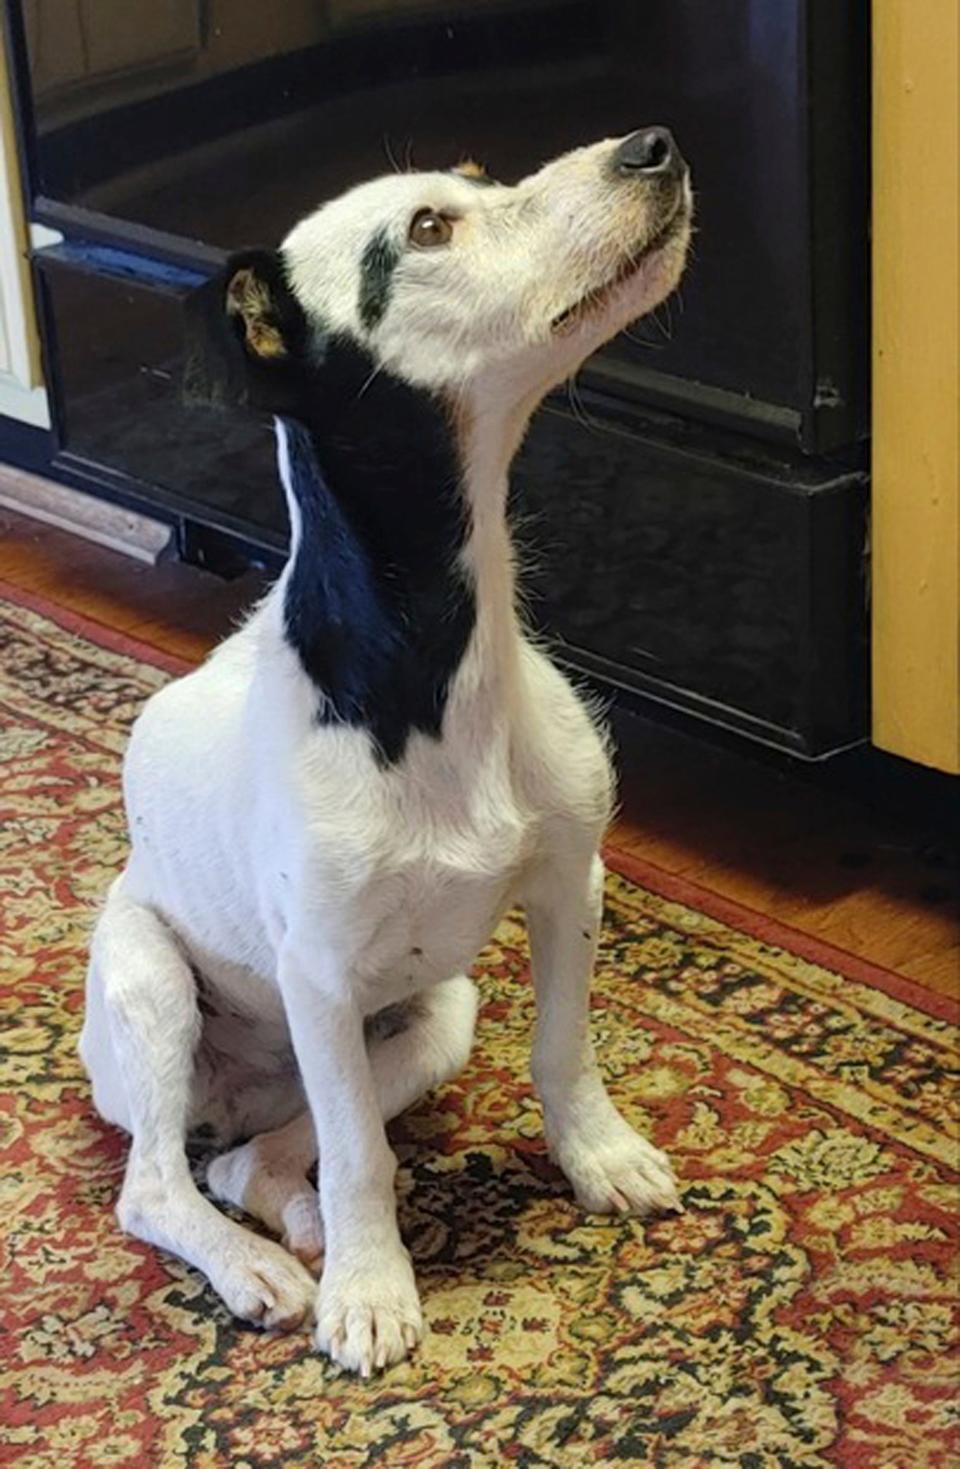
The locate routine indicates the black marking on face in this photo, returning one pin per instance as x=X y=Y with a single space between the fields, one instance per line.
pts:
x=377 y=264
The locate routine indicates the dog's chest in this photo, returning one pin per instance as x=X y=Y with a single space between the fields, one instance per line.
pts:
x=432 y=879
x=429 y=922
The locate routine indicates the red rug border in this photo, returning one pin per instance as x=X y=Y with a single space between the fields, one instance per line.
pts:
x=95 y=632
x=672 y=885
x=668 y=885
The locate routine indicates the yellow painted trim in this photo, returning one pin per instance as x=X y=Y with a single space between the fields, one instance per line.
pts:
x=916 y=381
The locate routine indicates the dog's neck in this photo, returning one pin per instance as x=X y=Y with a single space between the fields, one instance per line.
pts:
x=398 y=599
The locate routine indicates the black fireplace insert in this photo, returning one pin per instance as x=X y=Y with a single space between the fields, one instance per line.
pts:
x=698 y=502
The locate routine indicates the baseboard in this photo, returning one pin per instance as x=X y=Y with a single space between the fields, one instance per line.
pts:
x=83 y=515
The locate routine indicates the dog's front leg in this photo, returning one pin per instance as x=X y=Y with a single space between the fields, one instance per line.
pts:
x=609 y=1165
x=368 y=1312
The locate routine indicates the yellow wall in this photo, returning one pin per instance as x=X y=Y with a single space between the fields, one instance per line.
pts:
x=916 y=381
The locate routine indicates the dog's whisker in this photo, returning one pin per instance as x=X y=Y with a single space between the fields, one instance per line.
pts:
x=636 y=336
x=388 y=150
x=370 y=380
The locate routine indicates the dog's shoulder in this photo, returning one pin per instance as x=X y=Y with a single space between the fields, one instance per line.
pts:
x=563 y=747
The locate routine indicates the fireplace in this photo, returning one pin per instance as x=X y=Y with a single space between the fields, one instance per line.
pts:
x=700 y=536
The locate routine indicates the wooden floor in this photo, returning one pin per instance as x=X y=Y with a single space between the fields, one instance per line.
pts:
x=883 y=890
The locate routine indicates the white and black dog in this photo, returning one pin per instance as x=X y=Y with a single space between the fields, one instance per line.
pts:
x=329 y=817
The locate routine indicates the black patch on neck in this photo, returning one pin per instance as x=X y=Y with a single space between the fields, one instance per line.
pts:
x=377 y=264
x=377 y=605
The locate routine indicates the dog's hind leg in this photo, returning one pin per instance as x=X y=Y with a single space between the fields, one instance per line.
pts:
x=267 y=1178
x=139 y=1039
x=413 y=1048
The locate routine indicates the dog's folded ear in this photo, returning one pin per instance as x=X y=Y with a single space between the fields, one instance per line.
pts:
x=246 y=335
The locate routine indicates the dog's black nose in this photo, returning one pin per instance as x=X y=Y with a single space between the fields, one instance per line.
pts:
x=650 y=153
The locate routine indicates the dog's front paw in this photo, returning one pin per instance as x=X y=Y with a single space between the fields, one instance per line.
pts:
x=368 y=1313
x=614 y=1170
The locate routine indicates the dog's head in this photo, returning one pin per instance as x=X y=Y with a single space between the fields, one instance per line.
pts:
x=453 y=282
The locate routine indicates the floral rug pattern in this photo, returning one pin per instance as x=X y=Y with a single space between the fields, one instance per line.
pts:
x=801 y=1312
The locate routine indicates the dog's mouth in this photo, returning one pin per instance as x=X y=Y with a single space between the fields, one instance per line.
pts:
x=594 y=300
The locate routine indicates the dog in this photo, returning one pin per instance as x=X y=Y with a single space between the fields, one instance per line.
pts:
x=329 y=817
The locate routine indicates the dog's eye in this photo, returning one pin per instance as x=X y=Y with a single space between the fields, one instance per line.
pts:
x=428 y=228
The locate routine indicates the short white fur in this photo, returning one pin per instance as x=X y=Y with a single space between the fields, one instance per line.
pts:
x=283 y=886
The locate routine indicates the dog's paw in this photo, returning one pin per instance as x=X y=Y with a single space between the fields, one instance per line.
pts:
x=303 y=1230
x=368 y=1315
x=260 y=1282
x=275 y=1193
x=614 y=1170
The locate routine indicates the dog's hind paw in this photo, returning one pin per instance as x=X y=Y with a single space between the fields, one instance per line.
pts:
x=303 y=1232
x=263 y=1284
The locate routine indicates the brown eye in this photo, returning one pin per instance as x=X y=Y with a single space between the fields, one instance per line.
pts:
x=429 y=228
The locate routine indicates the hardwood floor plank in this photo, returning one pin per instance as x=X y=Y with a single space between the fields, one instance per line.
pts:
x=939 y=971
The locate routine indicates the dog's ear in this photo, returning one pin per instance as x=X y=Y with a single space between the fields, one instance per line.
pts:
x=246 y=335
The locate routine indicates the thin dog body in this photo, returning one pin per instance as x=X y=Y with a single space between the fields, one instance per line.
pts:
x=330 y=815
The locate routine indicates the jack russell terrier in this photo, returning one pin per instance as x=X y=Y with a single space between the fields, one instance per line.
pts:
x=329 y=817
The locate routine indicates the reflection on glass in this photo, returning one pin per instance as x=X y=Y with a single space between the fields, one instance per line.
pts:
x=224 y=121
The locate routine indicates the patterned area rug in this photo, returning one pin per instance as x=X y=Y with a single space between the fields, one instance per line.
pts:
x=799 y=1312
